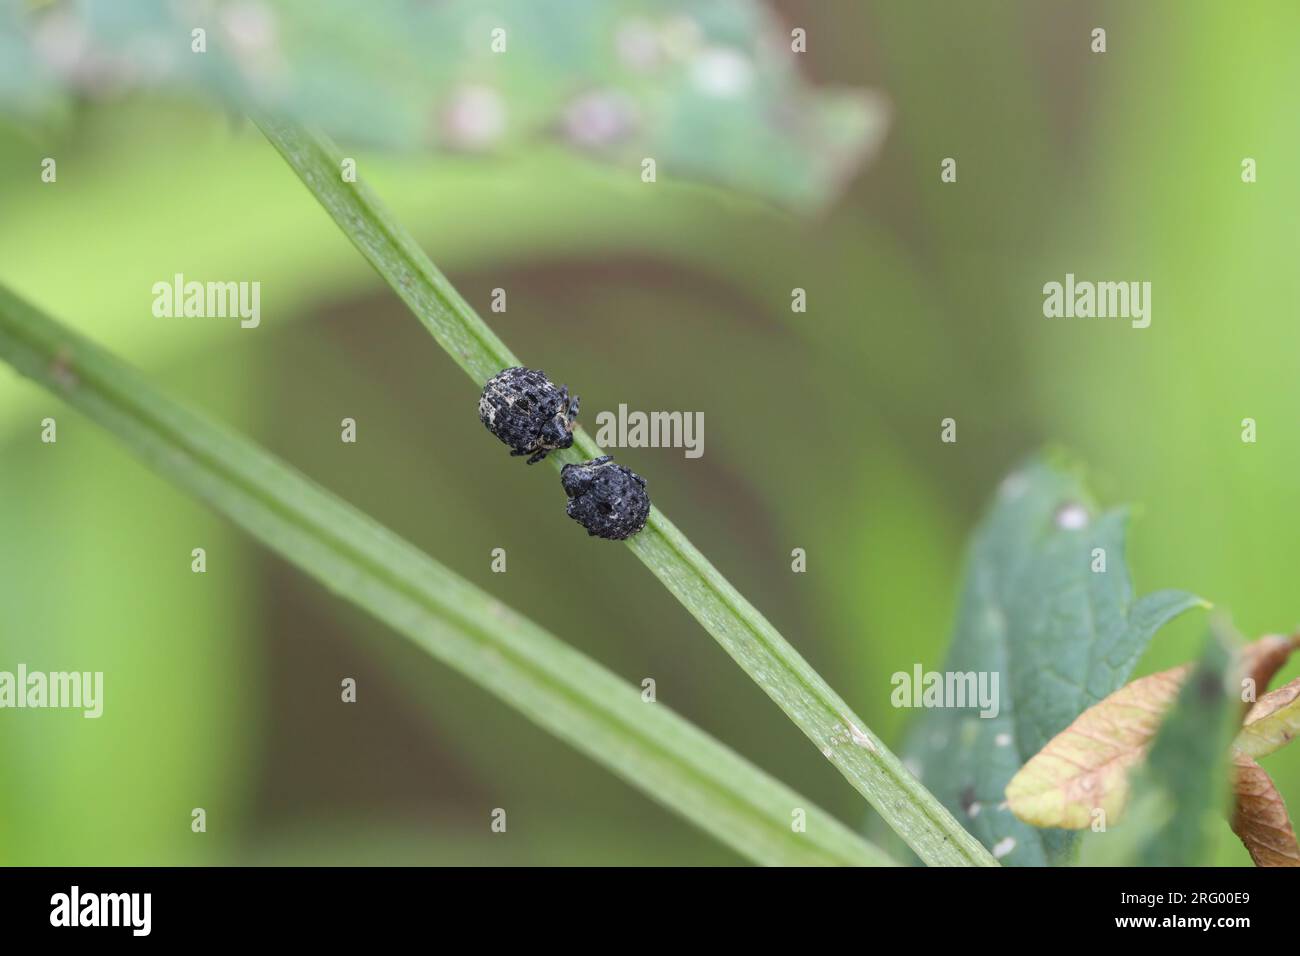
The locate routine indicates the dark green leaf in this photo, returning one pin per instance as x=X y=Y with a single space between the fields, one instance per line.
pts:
x=1059 y=636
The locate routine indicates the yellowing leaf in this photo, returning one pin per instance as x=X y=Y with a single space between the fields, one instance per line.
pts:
x=1085 y=767
x=1260 y=819
x=1272 y=722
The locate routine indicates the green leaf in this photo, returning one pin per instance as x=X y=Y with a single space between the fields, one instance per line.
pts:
x=710 y=92
x=823 y=716
x=1059 y=636
x=552 y=684
x=1179 y=795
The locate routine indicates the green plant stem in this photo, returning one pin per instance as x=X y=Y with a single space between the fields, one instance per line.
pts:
x=557 y=687
x=911 y=810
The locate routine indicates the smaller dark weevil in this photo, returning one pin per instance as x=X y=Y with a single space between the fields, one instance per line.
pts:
x=528 y=412
x=610 y=501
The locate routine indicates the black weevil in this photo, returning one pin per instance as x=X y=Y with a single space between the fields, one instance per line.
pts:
x=610 y=501
x=527 y=411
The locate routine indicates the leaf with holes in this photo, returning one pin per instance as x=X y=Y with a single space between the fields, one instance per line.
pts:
x=1047 y=607
x=712 y=92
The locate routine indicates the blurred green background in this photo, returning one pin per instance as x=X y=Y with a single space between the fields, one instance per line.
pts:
x=822 y=428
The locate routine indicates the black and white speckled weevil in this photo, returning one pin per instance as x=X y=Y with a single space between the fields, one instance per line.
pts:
x=608 y=500
x=525 y=409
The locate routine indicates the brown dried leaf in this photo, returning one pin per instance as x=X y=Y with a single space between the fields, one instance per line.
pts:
x=1085 y=767
x=1261 y=660
x=1260 y=819
x=1272 y=722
